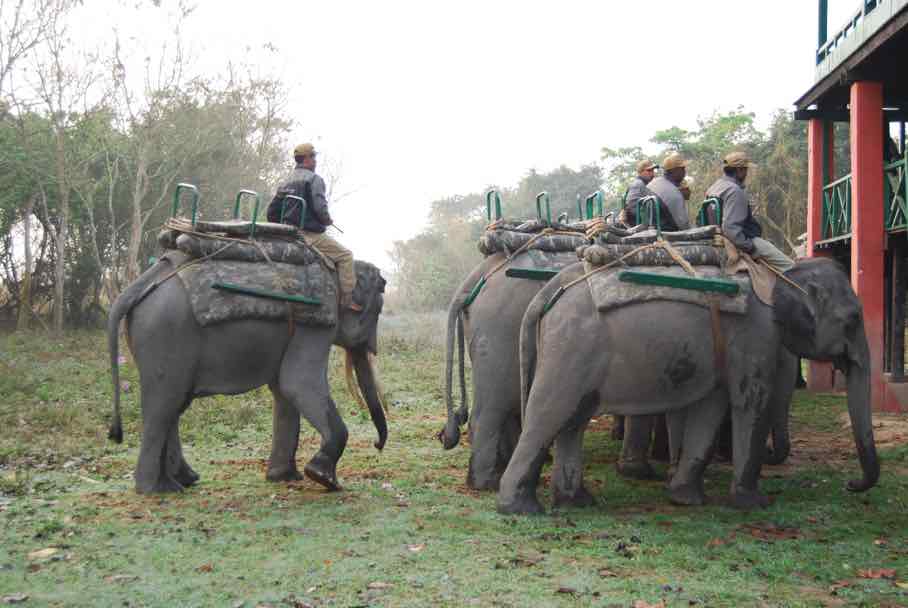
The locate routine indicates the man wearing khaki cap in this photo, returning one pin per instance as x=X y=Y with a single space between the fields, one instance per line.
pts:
x=738 y=222
x=303 y=182
x=667 y=188
x=646 y=170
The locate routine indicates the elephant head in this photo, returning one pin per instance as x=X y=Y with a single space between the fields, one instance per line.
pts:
x=358 y=335
x=822 y=319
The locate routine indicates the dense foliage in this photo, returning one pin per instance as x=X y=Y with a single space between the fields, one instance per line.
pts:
x=90 y=153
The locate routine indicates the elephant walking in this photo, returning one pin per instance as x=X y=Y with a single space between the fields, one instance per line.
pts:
x=657 y=356
x=179 y=360
x=489 y=330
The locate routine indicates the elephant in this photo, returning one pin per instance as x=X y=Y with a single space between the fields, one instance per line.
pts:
x=179 y=360
x=658 y=356
x=490 y=325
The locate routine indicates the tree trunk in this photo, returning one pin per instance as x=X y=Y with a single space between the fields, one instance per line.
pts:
x=135 y=233
x=25 y=289
x=62 y=229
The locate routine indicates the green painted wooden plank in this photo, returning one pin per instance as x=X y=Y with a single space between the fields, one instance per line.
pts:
x=262 y=293
x=534 y=274
x=697 y=284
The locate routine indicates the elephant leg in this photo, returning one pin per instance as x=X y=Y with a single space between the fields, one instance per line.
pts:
x=160 y=416
x=617 y=427
x=633 y=462
x=510 y=435
x=177 y=466
x=724 y=440
x=700 y=428
x=485 y=467
x=660 y=439
x=545 y=418
x=304 y=383
x=285 y=433
x=779 y=408
x=675 y=422
x=567 y=473
x=750 y=428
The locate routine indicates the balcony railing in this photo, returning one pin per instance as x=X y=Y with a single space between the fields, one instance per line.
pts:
x=895 y=188
x=865 y=22
x=837 y=208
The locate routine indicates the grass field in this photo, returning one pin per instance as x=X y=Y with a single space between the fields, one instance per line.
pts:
x=406 y=531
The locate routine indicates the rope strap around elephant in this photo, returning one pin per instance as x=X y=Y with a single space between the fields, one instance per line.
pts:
x=482 y=281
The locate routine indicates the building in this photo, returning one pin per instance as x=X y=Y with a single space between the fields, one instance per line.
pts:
x=859 y=214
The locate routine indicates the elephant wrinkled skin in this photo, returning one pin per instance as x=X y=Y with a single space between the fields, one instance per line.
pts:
x=658 y=357
x=178 y=361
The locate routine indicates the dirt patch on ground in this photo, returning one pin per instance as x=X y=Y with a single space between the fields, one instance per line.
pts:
x=809 y=447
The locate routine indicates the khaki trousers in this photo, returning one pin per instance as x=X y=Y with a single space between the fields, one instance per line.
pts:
x=769 y=252
x=337 y=253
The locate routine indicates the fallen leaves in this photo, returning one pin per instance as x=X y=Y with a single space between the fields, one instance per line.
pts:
x=770 y=532
x=15 y=598
x=205 y=568
x=876 y=573
x=642 y=604
x=378 y=585
x=121 y=578
x=416 y=548
x=606 y=573
x=42 y=554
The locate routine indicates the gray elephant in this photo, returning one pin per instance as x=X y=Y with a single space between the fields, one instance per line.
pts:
x=658 y=356
x=490 y=327
x=178 y=360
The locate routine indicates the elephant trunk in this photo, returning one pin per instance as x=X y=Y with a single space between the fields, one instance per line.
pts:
x=369 y=385
x=858 y=372
x=450 y=434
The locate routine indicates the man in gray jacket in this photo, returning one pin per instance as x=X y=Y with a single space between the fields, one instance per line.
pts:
x=303 y=182
x=646 y=170
x=666 y=187
x=738 y=222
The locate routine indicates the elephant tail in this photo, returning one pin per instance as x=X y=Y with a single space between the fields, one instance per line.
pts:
x=529 y=345
x=450 y=434
x=124 y=303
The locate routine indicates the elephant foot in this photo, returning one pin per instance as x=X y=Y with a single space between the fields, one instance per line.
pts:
x=185 y=475
x=287 y=473
x=747 y=500
x=521 y=505
x=578 y=499
x=637 y=469
x=687 y=495
x=321 y=471
x=483 y=483
x=162 y=485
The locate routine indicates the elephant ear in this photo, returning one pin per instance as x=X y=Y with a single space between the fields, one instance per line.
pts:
x=796 y=313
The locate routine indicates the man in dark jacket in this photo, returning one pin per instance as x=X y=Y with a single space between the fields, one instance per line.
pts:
x=303 y=182
x=738 y=222
x=646 y=170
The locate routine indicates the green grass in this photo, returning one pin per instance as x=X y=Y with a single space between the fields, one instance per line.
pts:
x=406 y=532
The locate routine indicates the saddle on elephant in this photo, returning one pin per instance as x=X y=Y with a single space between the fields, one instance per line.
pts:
x=681 y=266
x=239 y=269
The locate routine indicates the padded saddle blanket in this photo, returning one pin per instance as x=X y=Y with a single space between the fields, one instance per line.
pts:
x=700 y=253
x=507 y=241
x=636 y=236
x=211 y=305
x=544 y=260
x=609 y=292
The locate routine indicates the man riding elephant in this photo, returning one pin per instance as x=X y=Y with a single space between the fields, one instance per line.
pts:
x=306 y=184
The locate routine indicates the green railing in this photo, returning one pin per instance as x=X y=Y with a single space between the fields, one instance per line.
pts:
x=895 y=188
x=837 y=208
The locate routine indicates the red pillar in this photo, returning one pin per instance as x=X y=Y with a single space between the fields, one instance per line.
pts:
x=820 y=376
x=868 y=233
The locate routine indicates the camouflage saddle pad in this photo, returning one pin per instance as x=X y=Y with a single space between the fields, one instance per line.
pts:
x=636 y=236
x=544 y=260
x=508 y=241
x=702 y=253
x=232 y=290
x=609 y=292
